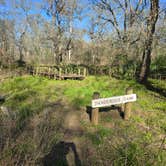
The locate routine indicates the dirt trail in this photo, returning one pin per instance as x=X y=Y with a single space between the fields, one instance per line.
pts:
x=73 y=135
x=69 y=149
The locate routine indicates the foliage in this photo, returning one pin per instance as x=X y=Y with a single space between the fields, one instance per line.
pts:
x=158 y=65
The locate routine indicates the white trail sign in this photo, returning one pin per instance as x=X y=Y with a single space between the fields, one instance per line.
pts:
x=105 y=102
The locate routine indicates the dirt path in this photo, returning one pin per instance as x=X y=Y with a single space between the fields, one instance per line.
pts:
x=70 y=148
x=73 y=136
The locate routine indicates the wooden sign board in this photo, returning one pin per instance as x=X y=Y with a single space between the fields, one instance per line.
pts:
x=105 y=102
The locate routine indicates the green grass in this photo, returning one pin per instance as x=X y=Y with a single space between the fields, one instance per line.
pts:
x=158 y=83
x=99 y=135
x=28 y=96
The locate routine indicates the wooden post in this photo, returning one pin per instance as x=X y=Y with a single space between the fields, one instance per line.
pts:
x=33 y=71
x=122 y=108
x=39 y=70
x=60 y=73
x=49 y=72
x=84 y=72
x=79 y=72
x=55 y=73
x=127 y=109
x=95 y=111
x=36 y=71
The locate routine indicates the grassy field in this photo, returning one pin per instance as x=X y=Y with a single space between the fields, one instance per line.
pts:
x=46 y=112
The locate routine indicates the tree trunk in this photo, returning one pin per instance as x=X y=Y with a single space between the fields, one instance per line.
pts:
x=21 y=47
x=21 y=54
x=146 y=58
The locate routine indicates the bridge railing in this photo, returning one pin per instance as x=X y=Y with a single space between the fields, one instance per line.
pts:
x=58 y=72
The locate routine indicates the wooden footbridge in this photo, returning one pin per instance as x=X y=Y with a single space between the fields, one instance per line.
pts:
x=58 y=73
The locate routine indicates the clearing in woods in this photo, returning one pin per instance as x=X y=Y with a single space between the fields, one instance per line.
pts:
x=47 y=121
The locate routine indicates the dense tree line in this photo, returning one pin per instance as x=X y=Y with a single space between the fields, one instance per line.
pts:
x=123 y=36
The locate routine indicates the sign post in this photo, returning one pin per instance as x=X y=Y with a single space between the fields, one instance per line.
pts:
x=106 y=102
x=95 y=111
x=127 y=110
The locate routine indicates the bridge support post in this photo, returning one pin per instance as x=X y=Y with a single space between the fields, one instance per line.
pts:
x=37 y=71
x=84 y=72
x=60 y=73
x=79 y=72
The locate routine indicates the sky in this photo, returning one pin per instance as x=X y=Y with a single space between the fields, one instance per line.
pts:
x=80 y=24
x=83 y=24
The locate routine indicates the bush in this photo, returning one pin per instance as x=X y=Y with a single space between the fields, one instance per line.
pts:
x=158 y=65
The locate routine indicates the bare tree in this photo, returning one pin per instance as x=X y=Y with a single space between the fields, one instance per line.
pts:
x=136 y=20
x=6 y=35
x=62 y=14
x=122 y=16
x=22 y=10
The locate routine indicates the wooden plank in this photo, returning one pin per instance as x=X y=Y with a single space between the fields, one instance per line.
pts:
x=105 y=102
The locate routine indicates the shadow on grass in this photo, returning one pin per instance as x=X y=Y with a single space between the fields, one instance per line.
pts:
x=2 y=99
x=58 y=155
x=156 y=89
x=114 y=109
